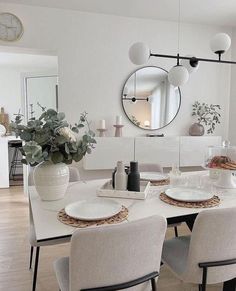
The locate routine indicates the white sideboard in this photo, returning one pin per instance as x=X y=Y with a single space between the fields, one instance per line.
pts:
x=193 y=149
x=108 y=151
x=160 y=150
x=180 y=150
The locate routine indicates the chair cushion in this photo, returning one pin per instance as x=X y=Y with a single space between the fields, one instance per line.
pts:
x=61 y=267
x=175 y=254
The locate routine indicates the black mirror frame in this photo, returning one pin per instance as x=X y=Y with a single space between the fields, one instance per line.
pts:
x=150 y=129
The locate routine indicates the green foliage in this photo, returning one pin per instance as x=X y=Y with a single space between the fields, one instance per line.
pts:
x=208 y=115
x=51 y=138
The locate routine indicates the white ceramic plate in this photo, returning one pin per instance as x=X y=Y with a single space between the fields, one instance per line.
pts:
x=188 y=194
x=96 y=209
x=152 y=176
x=2 y=130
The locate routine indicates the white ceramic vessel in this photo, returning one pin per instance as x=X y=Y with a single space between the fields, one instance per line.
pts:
x=51 y=180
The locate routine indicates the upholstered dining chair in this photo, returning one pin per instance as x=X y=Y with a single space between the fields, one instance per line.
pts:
x=113 y=257
x=149 y=167
x=74 y=176
x=209 y=255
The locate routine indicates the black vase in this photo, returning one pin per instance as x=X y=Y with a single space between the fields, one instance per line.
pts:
x=134 y=177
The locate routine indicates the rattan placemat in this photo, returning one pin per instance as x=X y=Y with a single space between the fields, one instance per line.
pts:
x=160 y=183
x=213 y=202
x=64 y=218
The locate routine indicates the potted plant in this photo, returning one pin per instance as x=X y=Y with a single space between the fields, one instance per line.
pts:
x=50 y=144
x=208 y=115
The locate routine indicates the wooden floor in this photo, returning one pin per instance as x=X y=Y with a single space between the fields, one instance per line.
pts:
x=14 y=251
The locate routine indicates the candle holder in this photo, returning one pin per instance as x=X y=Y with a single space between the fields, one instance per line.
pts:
x=102 y=132
x=118 y=132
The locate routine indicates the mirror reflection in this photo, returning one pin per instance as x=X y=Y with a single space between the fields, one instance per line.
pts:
x=149 y=100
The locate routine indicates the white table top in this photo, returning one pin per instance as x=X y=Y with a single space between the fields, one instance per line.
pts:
x=45 y=213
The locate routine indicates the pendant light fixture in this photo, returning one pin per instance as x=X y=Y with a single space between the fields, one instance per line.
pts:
x=178 y=75
x=139 y=54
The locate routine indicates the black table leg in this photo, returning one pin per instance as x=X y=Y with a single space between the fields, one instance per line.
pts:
x=230 y=285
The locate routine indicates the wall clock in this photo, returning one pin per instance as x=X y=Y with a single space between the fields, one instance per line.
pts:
x=11 y=28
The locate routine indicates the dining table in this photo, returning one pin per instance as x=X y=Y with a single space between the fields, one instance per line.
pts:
x=48 y=227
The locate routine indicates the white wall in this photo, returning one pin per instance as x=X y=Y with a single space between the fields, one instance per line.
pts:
x=232 y=112
x=10 y=90
x=93 y=61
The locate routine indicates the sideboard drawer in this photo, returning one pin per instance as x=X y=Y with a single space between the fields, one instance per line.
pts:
x=193 y=149
x=108 y=151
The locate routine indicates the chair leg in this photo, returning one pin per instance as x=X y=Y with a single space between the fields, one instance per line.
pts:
x=154 y=288
x=31 y=257
x=199 y=287
x=35 y=269
x=176 y=231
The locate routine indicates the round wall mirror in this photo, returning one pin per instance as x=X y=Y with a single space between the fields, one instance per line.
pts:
x=149 y=100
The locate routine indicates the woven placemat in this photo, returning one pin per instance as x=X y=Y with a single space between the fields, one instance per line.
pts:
x=160 y=183
x=64 y=218
x=213 y=202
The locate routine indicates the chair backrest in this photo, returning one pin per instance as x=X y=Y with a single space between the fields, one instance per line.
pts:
x=110 y=255
x=74 y=174
x=213 y=239
x=150 y=168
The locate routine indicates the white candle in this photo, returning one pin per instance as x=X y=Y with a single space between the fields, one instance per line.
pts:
x=118 y=120
x=102 y=124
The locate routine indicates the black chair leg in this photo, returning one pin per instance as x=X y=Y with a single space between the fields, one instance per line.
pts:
x=154 y=288
x=199 y=287
x=35 y=269
x=176 y=231
x=31 y=257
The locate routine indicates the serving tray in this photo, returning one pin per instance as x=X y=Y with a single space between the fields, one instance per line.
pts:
x=107 y=191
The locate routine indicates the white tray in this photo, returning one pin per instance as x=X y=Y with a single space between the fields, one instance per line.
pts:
x=107 y=191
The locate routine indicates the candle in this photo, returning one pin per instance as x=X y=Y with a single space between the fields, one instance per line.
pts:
x=102 y=124
x=119 y=120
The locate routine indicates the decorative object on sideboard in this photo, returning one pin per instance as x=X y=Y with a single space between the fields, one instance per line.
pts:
x=3 y=130
x=102 y=128
x=50 y=145
x=11 y=27
x=139 y=54
x=4 y=120
x=118 y=126
x=150 y=88
x=208 y=115
x=155 y=135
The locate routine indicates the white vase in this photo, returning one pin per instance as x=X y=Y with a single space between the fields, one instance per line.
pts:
x=51 y=180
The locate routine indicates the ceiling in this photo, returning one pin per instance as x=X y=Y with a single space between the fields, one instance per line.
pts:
x=214 y=12
x=28 y=62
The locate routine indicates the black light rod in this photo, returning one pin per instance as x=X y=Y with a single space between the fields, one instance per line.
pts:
x=189 y=58
x=129 y=98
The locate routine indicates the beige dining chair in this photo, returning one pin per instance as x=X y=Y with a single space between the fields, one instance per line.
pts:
x=113 y=257
x=209 y=255
x=74 y=176
x=149 y=167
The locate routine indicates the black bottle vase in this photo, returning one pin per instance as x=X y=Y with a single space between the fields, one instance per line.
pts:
x=134 y=177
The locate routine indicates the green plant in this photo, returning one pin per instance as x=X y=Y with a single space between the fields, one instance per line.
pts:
x=51 y=138
x=208 y=115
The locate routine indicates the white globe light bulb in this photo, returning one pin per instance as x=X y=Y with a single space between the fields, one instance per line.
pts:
x=220 y=43
x=191 y=65
x=139 y=53
x=178 y=76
